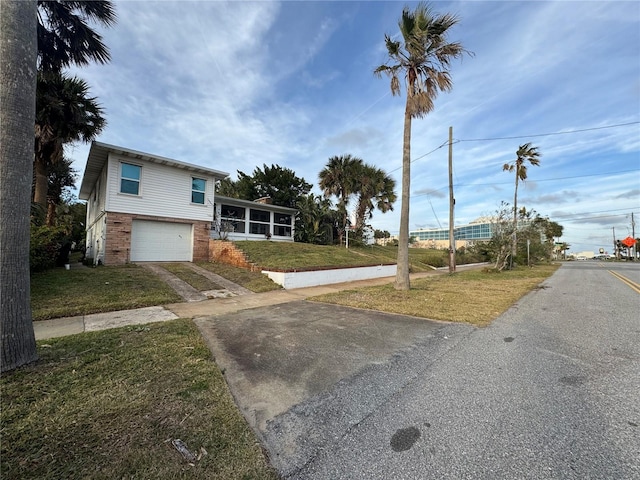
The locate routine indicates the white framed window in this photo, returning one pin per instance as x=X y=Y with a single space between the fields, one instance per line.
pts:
x=233 y=218
x=130 y=178
x=198 y=189
x=259 y=221
x=282 y=225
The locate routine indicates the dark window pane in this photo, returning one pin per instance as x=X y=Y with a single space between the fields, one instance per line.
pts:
x=131 y=172
x=259 y=215
x=258 y=228
x=230 y=211
x=281 y=231
x=129 y=186
x=198 y=184
x=197 y=197
x=282 y=219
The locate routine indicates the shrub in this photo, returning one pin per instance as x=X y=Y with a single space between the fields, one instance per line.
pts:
x=45 y=246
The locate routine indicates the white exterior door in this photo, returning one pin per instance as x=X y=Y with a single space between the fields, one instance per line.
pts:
x=161 y=241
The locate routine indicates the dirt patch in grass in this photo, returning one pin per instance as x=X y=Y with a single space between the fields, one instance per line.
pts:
x=187 y=274
x=473 y=297
x=254 y=281
x=63 y=293
x=107 y=405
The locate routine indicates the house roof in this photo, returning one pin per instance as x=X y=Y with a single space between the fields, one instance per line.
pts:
x=99 y=153
x=255 y=204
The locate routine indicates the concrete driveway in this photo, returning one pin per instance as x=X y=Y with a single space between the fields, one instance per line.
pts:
x=308 y=355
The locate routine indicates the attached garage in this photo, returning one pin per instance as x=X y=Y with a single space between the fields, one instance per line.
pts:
x=161 y=241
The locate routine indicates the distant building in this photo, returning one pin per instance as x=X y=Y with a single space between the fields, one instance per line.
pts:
x=480 y=230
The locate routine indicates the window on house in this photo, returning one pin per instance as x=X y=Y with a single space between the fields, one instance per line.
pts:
x=282 y=225
x=259 y=221
x=232 y=218
x=130 y=178
x=198 y=188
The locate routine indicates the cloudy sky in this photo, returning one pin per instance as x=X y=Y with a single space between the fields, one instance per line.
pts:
x=236 y=85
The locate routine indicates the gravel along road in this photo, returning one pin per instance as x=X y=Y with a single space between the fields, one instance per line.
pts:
x=551 y=390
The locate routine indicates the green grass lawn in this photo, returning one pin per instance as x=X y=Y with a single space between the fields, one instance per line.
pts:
x=254 y=281
x=106 y=405
x=303 y=256
x=193 y=278
x=476 y=297
x=62 y=293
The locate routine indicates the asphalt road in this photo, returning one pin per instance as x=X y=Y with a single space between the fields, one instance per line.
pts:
x=551 y=390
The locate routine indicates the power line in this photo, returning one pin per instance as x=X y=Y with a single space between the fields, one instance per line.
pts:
x=535 y=181
x=548 y=134
x=520 y=136
x=553 y=179
x=422 y=156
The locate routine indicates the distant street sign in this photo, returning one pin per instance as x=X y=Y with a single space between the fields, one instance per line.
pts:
x=629 y=242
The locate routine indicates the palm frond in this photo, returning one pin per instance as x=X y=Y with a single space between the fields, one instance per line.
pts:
x=64 y=35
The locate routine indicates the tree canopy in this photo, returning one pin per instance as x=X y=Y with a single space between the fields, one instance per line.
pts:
x=65 y=37
x=280 y=184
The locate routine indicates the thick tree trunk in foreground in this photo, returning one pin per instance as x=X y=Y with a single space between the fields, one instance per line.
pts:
x=402 y=275
x=18 y=49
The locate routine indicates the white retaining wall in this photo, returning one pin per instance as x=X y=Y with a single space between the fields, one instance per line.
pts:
x=325 y=277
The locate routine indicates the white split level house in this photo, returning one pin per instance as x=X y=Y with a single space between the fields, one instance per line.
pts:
x=144 y=207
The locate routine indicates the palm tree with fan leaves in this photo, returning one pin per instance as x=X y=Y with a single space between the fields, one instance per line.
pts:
x=526 y=153
x=423 y=57
x=339 y=178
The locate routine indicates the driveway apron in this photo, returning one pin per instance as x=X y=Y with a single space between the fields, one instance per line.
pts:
x=335 y=363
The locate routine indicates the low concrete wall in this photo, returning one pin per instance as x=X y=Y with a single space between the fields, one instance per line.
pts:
x=326 y=277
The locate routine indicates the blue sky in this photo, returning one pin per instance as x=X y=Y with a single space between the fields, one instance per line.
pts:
x=235 y=85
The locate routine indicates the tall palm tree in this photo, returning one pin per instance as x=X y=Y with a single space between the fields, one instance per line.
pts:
x=64 y=35
x=338 y=178
x=375 y=189
x=18 y=51
x=423 y=58
x=64 y=113
x=65 y=38
x=525 y=154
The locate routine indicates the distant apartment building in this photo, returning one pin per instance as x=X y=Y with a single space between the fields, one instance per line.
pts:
x=480 y=230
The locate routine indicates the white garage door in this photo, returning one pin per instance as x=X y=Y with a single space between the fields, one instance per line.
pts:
x=160 y=241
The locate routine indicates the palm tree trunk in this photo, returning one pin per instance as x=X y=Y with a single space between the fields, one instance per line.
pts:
x=402 y=274
x=40 y=190
x=18 y=49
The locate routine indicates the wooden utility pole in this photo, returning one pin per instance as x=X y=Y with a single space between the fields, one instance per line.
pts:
x=452 y=203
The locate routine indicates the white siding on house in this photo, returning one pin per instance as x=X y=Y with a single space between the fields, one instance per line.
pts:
x=96 y=201
x=95 y=220
x=164 y=191
x=95 y=241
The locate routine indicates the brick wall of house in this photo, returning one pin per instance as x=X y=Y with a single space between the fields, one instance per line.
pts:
x=118 y=237
x=224 y=251
x=201 y=235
